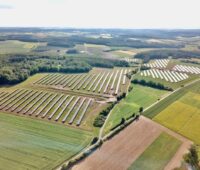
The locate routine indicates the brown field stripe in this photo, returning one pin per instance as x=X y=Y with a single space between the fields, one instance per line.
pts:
x=77 y=110
x=50 y=79
x=18 y=99
x=22 y=101
x=103 y=82
x=86 y=78
x=75 y=79
x=62 y=79
x=77 y=82
x=52 y=105
x=118 y=83
x=14 y=98
x=29 y=102
x=65 y=79
x=46 y=78
x=56 y=79
x=9 y=97
x=68 y=80
x=88 y=81
x=76 y=101
x=46 y=104
x=106 y=87
x=113 y=83
x=93 y=82
x=3 y=94
x=42 y=79
x=124 y=77
x=64 y=108
x=83 y=113
x=55 y=110
x=46 y=96
x=98 y=82
x=34 y=102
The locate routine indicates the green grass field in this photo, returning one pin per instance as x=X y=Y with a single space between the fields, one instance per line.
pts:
x=13 y=47
x=140 y=96
x=158 y=154
x=31 y=144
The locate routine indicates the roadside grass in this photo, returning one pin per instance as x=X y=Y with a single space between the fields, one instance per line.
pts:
x=32 y=144
x=140 y=96
x=158 y=154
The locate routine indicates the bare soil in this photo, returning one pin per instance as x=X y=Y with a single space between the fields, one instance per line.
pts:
x=123 y=149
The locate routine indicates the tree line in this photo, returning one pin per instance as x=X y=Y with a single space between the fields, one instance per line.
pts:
x=151 y=84
x=17 y=68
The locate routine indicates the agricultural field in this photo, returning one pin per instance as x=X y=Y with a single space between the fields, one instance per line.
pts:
x=180 y=112
x=150 y=158
x=140 y=96
x=57 y=87
x=143 y=139
x=31 y=144
x=183 y=116
x=16 y=47
x=99 y=81
x=57 y=107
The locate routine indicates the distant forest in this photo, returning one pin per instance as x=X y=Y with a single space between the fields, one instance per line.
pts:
x=154 y=54
x=17 y=68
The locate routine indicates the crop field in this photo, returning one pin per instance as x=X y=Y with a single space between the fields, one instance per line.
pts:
x=150 y=159
x=183 y=116
x=139 y=97
x=180 y=112
x=141 y=144
x=100 y=81
x=57 y=107
x=13 y=47
x=171 y=76
x=31 y=144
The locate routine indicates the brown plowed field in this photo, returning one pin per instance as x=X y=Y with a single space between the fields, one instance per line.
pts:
x=119 y=152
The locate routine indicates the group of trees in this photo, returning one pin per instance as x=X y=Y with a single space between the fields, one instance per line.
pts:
x=161 y=54
x=17 y=68
x=151 y=84
x=100 y=119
